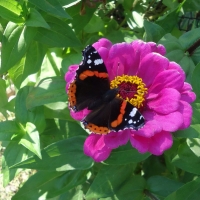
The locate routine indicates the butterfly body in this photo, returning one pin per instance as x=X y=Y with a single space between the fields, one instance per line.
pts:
x=91 y=90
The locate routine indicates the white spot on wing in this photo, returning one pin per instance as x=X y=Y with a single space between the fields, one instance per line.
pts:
x=133 y=112
x=130 y=121
x=98 y=61
x=89 y=61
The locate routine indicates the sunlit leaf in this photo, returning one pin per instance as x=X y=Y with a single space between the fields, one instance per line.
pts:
x=31 y=139
x=60 y=156
x=47 y=91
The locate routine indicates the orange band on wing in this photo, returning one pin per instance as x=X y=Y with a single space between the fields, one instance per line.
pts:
x=119 y=119
x=88 y=73
x=71 y=94
x=97 y=129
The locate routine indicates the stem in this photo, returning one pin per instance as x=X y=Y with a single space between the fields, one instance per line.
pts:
x=191 y=49
x=53 y=64
x=150 y=195
x=171 y=167
x=134 y=4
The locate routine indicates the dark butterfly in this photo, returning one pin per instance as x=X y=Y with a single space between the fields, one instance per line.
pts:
x=91 y=90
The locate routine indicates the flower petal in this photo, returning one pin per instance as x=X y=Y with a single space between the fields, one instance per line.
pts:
x=120 y=59
x=80 y=115
x=175 y=66
x=150 y=128
x=160 y=142
x=141 y=49
x=155 y=145
x=165 y=102
x=140 y=143
x=70 y=75
x=103 y=42
x=187 y=95
x=171 y=122
x=158 y=49
x=150 y=66
x=115 y=139
x=95 y=147
x=186 y=110
x=167 y=79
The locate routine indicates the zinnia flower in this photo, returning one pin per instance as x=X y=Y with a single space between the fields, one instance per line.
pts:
x=158 y=91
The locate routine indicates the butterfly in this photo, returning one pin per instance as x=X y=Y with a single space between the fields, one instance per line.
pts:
x=91 y=89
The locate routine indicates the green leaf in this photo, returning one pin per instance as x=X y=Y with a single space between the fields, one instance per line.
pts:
x=195 y=80
x=117 y=182
x=162 y=190
x=49 y=90
x=11 y=10
x=60 y=156
x=13 y=154
x=186 y=159
x=23 y=115
x=192 y=5
x=48 y=184
x=71 y=59
x=58 y=110
x=133 y=188
x=1 y=29
x=188 y=66
x=170 y=42
x=31 y=139
x=4 y=99
x=35 y=19
x=193 y=35
x=29 y=64
x=176 y=51
x=124 y=155
x=191 y=45
x=95 y=25
x=171 y=3
x=52 y=133
x=60 y=34
x=192 y=132
x=74 y=194
x=71 y=128
x=153 y=31
x=157 y=166
x=190 y=190
x=52 y=7
x=171 y=17
x=74 y=11
x=194 y=145
x=196 y=111
x=16 y=40
x=8 y=129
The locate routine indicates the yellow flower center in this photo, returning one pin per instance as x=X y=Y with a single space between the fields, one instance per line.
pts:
x=131 y=89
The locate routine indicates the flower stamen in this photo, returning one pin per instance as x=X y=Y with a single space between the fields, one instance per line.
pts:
x=131 y=89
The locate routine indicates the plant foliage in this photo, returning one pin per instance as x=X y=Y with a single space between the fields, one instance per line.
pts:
x=39 y=40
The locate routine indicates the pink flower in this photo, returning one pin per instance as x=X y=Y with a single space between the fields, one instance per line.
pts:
x=165 y=103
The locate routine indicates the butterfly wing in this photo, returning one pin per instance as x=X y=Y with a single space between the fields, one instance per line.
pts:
x=117 y=115
x=90 y=83
x=91 y=89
